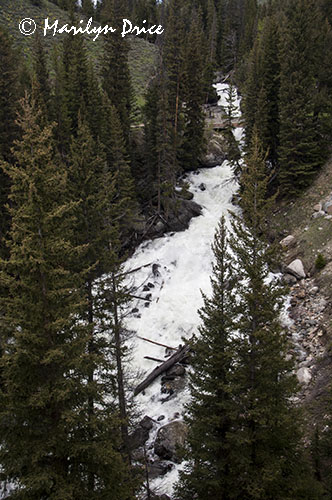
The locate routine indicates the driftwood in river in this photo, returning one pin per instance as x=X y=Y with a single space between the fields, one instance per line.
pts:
x=178 y=356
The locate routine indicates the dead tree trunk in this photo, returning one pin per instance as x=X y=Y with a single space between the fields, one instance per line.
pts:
x=175 y=358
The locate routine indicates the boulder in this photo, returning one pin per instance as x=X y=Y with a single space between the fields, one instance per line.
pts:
x=153 y=496
x=216 y=151
x=319 y=214
x=169 y=438
x=289 y=279
x=296 y=268
x=146 y=423
x=176 y=370
x=288 y=241
x=327 y=207
x=182 y=214
x=318 y=207
x=304 y=375
x=158 y=468
x=138 y=438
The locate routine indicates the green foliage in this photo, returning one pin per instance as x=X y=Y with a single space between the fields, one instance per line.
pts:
x=9 y=92
x=115 y=72
x=320 y=262
x=52 y=446
x=301 y=150
x=193 y=93
x=244 y=431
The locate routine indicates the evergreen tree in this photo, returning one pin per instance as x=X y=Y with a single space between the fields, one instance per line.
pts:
x=116 y=75
x=50 y=446
x=301 y=151
x=173 y=66
x=212 y=416
x=41 y=80
x=233 y=151
x=118 y=163
x=8 y=130
x=267 y=116
x=245 y=440
x=193 y=83
x=76 y=83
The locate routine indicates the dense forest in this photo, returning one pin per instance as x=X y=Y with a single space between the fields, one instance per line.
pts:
x=89 y=170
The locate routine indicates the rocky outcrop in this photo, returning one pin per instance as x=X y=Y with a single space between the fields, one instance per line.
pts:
x=216 y=151
x=169 y=438
x=288 y=241
x=140 y=435
x=323 y=208
x=307 y=332
x=296 y=269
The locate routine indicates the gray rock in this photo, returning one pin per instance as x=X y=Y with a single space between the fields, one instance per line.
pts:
x=296 y=269
x=327 y=207
x=181 y=215
x=146 y=423
x=216 y=151
x=159 y=227
x=158 y=468
x=288 y=241
x=289 y=279
x=172 y=384
x=319 y=214
x=138 y=438
x=176 y=370
x=304 y=375
x=169 y=438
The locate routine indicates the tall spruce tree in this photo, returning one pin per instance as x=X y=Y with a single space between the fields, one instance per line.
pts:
x=245 y=439
x=210 y=471
x=116 y=75
x=195 y=52
x=8 y=130
x=51 y=446
x=301 y=150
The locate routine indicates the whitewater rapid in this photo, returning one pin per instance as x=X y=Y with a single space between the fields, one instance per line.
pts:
x=184 y=262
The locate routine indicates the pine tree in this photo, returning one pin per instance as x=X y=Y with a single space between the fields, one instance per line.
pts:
x=233 y=151
x=51 y=447
x=8 y=129
x=173 y=65
x=212 y=417
x=118 y=163
x=76 y=82
x=272 y=464
x=244 y=437
x=62 y=131
x=267 y=117
x=95 y=187
x=300 y=151
x=41 y=80
x=116 y=75
x=193 y=93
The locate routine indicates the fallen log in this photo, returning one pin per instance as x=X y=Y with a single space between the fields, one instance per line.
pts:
x=154 y=359
x=157 y=343
x=175 y=358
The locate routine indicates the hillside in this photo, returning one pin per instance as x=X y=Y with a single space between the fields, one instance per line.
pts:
x=142 y=56
x=308 y=219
